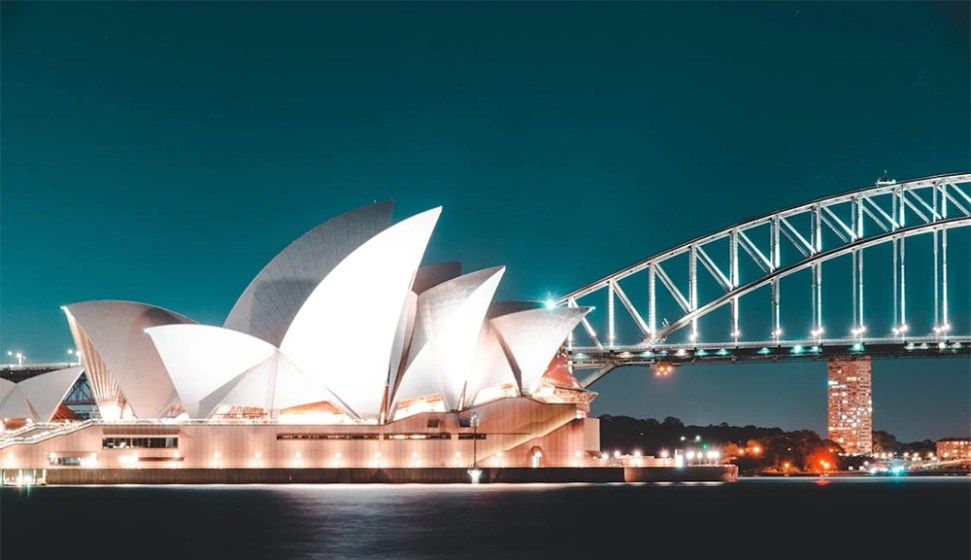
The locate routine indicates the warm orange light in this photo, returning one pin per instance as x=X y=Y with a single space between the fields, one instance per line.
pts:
x=821 y=462
x=785 y=465
x=756 y=450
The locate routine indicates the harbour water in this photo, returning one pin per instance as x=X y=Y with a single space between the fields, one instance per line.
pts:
x=755 y=518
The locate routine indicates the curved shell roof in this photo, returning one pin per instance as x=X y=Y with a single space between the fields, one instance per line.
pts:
x=345 y=315
x=273 y=384
x=532 y=337
x=6 y=386
x=271 y=301
x=431 y=275
x=450 y=317
x=345 y=331
x=38 y=397
x=201 y=359
x=490 y=366
x=119 y=357
x=13 y=403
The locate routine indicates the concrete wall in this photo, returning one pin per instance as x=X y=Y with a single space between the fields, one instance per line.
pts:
x=720 y=473
x=325 y=476
x=599 y=475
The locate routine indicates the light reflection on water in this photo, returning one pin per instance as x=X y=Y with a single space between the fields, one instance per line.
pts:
x=564 y=521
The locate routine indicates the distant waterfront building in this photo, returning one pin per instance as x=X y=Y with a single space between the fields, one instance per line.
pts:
x=954 y=448
x=850 y=403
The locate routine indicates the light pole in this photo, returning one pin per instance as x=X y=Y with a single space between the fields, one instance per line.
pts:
x=475 y=438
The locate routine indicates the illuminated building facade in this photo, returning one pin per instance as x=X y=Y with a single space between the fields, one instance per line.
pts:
x=342 y=352
x=954 y=448
x=850 y=403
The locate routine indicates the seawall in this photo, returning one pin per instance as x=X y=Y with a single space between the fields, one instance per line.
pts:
x=377 y=475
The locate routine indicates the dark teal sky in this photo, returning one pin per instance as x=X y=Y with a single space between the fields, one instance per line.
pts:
x=164 y=152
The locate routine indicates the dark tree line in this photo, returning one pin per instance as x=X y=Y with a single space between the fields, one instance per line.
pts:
x=752 y=448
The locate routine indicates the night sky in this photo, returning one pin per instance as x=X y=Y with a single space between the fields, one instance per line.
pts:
x=164 y=152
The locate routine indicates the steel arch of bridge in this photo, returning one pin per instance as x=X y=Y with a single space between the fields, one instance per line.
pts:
x=898 y=210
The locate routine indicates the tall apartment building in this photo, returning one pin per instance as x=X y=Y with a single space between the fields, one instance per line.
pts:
x=850 y=403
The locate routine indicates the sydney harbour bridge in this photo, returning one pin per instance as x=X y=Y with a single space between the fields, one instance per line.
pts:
x=800 y=273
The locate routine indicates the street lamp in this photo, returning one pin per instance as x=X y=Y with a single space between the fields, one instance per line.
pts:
x=817 y=333
x=475 y=439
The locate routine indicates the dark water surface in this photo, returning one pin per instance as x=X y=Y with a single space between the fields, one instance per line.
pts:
x=758 y=518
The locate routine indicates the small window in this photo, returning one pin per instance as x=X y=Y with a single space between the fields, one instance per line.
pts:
x=438 y=435
x=325 y=436
x=65 y=461
x=140 y=443
x=434 y=422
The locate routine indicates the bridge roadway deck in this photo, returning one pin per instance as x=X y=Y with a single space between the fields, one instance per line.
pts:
x=691 y=353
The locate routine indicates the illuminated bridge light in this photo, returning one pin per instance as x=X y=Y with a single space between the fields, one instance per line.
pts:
x=701 y=353
x=763 y=351
x=815 y=349
x=797 y=349
x=723 y=352
x=858 y=347
x=647 y=354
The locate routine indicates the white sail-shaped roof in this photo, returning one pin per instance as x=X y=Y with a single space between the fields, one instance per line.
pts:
x=450 y=317
x=531 y=338
x=47 y=391
x=489 y=365
x=273 y=384
x=428 y=276
x=271 y=301
x=39 y=397
x=200 y=359
x=402 y=338
x=119 y=357
x=431 y=275
x=6 y=386
x=14 y=404
x=344 y=333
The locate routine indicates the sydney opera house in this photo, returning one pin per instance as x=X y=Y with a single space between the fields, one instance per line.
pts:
x=342 y=352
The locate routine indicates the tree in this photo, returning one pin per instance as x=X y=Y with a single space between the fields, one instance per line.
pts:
x=671 y=422
x=885 y=442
